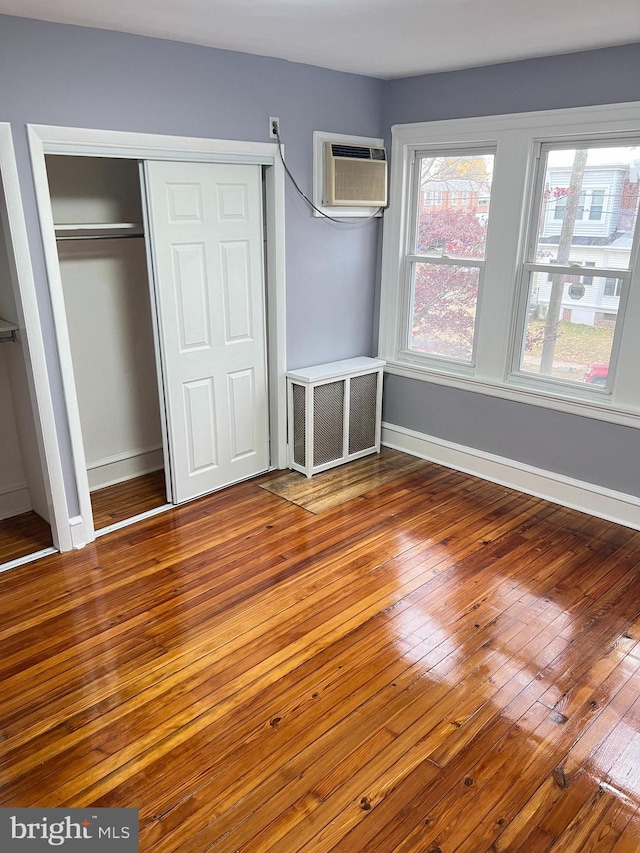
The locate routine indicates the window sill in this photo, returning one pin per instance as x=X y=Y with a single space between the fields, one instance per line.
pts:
x=602 y=410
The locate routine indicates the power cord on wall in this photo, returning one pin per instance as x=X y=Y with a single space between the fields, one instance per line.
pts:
x=358 y=221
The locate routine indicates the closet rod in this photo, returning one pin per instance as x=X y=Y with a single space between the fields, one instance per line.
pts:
x=98 y=237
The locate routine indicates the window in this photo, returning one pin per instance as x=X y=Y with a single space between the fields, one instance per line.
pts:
x=533 y=276
x=590 y=204
x=445 y=258
x=556 y=342
x=595 y=204
x=560 y=208
x=612 y=287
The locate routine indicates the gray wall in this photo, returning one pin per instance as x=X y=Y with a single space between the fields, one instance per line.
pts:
x=74 y=76
x=57 y=74
x=607 y=76
x=589 y=450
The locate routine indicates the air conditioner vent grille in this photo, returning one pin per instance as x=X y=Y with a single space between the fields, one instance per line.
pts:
x=356 y=151
x=355 y=176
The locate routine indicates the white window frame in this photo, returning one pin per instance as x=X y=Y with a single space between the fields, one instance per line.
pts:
x=531 y=266
x=517 y=139
x=413 y=258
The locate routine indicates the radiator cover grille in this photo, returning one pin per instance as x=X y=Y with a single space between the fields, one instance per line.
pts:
x=328 y=422
x=362 y=412
x=333 y=419
x=299 y=425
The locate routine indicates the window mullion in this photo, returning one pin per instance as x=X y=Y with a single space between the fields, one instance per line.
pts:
x=513 y=162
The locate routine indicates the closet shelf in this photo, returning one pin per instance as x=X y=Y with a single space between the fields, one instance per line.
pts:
x=7 y=330
x=98 y=230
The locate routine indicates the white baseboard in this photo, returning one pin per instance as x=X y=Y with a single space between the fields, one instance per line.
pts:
x=124 y=466
x=576 y=494
x=14 y=500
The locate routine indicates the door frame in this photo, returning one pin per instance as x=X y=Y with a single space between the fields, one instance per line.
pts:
x=47 y=139
x=33 y=349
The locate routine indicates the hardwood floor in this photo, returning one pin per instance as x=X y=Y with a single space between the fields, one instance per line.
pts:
x=437 y=664
x=22 y=535
x=124 y=500
x=337 y=485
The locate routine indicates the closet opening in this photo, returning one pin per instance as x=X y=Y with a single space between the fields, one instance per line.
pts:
x=25 y=530
x=208 y=216
x=100 y=237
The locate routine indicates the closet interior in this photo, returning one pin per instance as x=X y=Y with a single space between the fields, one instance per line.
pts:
x=97 y=212
x=24 y=511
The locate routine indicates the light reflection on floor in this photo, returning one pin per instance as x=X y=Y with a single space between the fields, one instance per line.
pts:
x=443 y=652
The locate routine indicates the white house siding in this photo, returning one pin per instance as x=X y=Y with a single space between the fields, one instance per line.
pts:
x=609 y=179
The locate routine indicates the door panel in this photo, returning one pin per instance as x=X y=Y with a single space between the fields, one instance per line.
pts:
x=206 y=242
x=191 y=294
x=236 y=281
x=242 y=398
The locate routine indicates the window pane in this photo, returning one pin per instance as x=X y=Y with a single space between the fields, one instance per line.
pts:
x=589 y=206
x=455 y=223
x=443 y=310
x=570 y=327
x=612 y=287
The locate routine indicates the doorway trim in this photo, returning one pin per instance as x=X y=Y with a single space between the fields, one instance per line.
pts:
x=47 y=139
x=33 y=348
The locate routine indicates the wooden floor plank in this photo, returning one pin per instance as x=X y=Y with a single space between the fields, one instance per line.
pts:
x=339 y=485
x=396 y=657
x=22 y=535
x=629 y=839
x=116 y=503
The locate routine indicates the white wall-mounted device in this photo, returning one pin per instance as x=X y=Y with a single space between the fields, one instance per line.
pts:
x=325 y=163
x=354 y=175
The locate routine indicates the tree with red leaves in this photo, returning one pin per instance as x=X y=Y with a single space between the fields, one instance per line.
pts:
x=445 y=295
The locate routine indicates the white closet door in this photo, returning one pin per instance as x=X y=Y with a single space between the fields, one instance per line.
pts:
x=207 y=247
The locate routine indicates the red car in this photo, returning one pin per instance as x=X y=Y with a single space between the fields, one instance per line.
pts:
x=597 y=373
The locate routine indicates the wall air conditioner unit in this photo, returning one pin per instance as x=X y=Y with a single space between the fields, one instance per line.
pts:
x=355 y=175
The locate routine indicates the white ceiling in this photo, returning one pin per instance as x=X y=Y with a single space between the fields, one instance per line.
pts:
x=379 y=38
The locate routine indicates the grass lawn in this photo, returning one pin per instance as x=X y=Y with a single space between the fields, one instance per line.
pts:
x=577 y=344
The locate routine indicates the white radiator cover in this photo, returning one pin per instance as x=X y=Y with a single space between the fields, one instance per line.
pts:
x=334 y=413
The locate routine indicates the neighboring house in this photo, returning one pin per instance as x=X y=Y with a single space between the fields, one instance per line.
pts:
x=456 y=195
x=602 y=238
